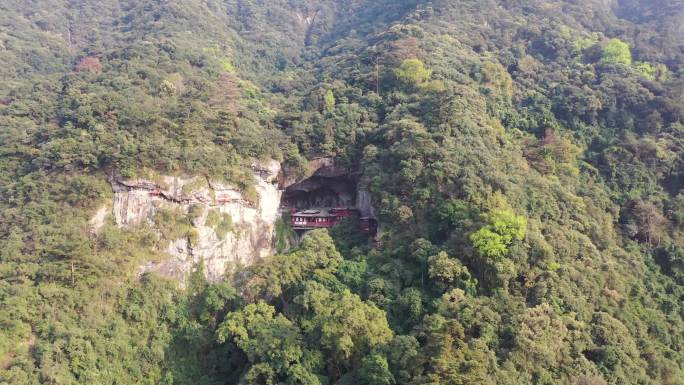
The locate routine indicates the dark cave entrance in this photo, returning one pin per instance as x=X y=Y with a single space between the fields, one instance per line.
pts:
x=319 y=192
x=325 y=200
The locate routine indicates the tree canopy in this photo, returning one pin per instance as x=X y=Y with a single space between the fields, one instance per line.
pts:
x=616 y=51
x=524 y=160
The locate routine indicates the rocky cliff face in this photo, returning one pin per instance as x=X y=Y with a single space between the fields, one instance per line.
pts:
x=364 y=203
x=220 y=227
x=226 y=228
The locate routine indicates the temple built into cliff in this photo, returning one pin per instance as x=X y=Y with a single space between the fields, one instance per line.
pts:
x=325 y=199
x=329 y=217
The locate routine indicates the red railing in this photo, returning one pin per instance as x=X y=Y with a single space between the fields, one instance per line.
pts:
x=367 y=225
x=312 y=222
x=342 y=212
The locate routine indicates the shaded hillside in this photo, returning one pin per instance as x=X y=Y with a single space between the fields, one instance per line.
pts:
x=524 y=159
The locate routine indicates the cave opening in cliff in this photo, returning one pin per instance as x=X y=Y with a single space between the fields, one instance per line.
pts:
x=324 y=200
x=319 y=192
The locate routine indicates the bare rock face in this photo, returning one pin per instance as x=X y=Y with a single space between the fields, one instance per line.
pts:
x=227 y=228
x=364 y=203
x=321 y=166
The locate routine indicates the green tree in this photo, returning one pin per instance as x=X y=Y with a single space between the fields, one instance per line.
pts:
x=616 y=51
x=450 y=272
x=450 y=216
x=342 y=323
x=493 y=239
x=449 y=359
x=329 y=100
x=412 y=72
x=272 y=344
x=316 y=256
x=375 y=371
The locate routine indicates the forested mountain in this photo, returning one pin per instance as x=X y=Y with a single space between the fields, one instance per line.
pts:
x=524 y=159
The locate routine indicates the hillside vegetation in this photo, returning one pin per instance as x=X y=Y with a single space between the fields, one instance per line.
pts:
x=525 y=160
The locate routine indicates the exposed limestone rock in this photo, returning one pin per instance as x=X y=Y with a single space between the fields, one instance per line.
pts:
x=331 y=170
x=364 y=204
x=132 y=205
x=227 y=229
x=321 y=166
x=248 y=238
x=268 y=171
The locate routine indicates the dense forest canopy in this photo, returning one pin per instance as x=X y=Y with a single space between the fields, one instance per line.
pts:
x=525 y=161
